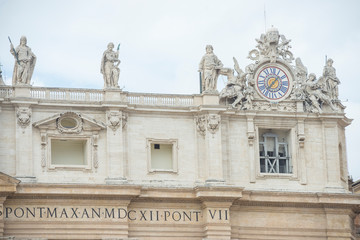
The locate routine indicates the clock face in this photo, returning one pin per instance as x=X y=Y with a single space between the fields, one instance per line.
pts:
x=272 y=83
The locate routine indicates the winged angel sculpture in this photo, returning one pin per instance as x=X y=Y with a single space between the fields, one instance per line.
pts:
x=237 y=89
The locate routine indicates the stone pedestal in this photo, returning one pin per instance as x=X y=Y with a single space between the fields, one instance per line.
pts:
x=113 y=95
x=22 y=91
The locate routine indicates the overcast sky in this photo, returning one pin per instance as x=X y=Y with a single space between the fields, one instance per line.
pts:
x=162 y=42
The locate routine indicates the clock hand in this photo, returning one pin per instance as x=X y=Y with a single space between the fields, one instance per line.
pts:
x=272 y=83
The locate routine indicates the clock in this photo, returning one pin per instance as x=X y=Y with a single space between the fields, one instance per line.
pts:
x=273 y=82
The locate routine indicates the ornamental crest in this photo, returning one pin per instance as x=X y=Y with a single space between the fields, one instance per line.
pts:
x=116 y=118
x=23 y=115
x=213 y=122
x=272 y=46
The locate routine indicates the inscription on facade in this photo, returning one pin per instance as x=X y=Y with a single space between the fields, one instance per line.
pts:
x=141 y=215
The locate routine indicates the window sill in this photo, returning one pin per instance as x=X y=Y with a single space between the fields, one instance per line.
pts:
x=169 y=171
x=69 y=167
x=276 y=175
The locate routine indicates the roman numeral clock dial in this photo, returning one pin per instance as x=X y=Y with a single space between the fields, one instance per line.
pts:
x=273 y=83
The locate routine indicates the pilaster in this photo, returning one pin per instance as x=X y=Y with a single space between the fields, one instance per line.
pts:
x=216 y=203
x=116 y=122
x=7 y=187
x=24 y=148
x=301 y=149
x=251 y=150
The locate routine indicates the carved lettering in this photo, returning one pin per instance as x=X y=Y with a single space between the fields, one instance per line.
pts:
x=38 y=213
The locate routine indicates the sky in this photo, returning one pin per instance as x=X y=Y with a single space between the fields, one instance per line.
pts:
x=162 y=42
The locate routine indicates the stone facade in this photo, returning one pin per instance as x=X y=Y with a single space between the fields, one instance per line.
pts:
x=110 y=164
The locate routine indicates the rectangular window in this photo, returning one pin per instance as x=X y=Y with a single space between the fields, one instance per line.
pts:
x=274 y=151
x=162 y=155
x=69 y=153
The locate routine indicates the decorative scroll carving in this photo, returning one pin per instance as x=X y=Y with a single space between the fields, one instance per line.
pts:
x=43 y=149
x=200 y=122
x=69 y=122
x=23 y=116
x=95 y=150
x=124 y=119
x=267 y=106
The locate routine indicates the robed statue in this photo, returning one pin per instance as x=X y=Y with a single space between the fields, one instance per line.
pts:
x=110 y=67
x=25 y=61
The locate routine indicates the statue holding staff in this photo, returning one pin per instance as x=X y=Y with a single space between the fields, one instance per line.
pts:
x=24 y=64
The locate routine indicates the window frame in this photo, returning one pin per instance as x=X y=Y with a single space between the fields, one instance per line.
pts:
x=88 y=154
x=174 y=143
x=274 y=161
x=292 y=149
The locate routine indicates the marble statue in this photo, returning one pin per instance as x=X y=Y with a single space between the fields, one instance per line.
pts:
x=331 y=80
x=1 y=79
x=316 y=95
x=110 y=67
x=25 y=61
x=272 y=45
x=300 y=78
x=209 y=68
x=236 y=88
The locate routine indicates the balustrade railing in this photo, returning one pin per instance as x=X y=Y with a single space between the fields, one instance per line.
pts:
x=6 y=92
x=95 y=95
x=67 y=94
x=160 y=99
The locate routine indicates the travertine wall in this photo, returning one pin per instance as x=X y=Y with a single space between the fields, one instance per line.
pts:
x=229 y=153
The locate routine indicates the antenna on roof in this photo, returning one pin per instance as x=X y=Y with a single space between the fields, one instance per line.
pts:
x=265 y=17
x=325 y=59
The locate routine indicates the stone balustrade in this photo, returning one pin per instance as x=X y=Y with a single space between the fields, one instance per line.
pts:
x=98 y=95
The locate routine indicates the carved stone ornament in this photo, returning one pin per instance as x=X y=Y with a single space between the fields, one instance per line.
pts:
x=213 y=123
x=23 y=115
x=124 y=119
x=117 y=119
x=282 y=107
x=239 y=91
x=69 y=122
x=200 y=121
x=272 y=45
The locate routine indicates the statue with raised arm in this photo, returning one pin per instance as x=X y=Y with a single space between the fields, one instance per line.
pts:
x=331 y=80
x=110 y=67
x=209 y=67
x=25 y=61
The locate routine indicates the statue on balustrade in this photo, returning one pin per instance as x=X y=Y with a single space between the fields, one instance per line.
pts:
x=25 y=61
x=110 y=67
x=237 y=89
x=331 y=80
x=209 y=67
x=316 y=94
